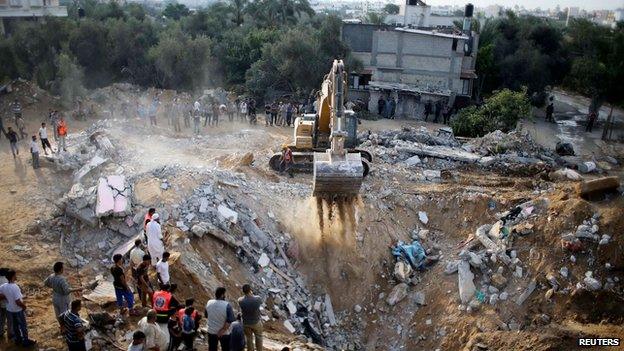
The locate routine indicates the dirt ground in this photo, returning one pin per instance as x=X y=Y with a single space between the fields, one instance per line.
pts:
x=344 y=251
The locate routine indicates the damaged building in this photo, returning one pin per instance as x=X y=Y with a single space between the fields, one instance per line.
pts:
x=413 y=64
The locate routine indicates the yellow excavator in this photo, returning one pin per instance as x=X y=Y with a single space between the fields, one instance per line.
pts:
x=325 y=141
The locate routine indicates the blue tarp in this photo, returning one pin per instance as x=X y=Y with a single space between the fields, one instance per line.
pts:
x=413 y=253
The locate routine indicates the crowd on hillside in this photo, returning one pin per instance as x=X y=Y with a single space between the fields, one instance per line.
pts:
x=167 y=321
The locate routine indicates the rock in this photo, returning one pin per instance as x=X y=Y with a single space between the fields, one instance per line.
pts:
x=357 y=308
x=549 y=293
x=264 y=260
x=527 y=292
x=493 y=299
x=518 y=272
x=95 y=162
x=422 y=216
x=402 y=271
x=498 y=280
x=503 y=296
x=329 y=310
x=85 y=215
x=604 y=240
x=565 y=174
x=292 y=308
x=228 y=214
x=451 y=267
x=256 y=235
x=398 y=293
x=598 y=187
x=431 y=174
x=199 y=230
x=564 y=272
x=412 y=161
x=487 y=161
x=419 y=298
x=592 y=284
x=203 y=205
x=289 y=327
x=465 y=282
x=475 y=260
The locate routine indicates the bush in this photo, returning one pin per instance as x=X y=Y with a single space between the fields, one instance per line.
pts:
x=501 y=111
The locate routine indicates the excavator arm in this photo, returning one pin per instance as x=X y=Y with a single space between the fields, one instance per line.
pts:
x=337 y=173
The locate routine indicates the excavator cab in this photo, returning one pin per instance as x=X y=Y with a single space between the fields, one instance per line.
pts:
x=337 y=172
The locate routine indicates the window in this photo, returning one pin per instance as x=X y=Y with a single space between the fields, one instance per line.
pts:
x=465 y=86
x=454 y=46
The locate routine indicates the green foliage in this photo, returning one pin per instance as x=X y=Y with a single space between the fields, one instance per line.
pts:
x=374 y=18
x=179 y=61
x=501 y=111
x=391 y=9
x=89 y=44
x=176 y=11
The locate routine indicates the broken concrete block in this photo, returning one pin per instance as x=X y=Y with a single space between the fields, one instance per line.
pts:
x=84 y=215
x=264 y=260
x=199 y=230
x=432 y=174
x=256 y=235
x=329 y=310
x=289 y=326
x=498 y=280
x=105 y=204
x=598 y=187
x=419 y=298
x=525 y=295
x=228 y=214
x=465 y=282
x=203 y=205
x=412 y=161
x=398 y=293
x=292 y=308
x=121 y=194
x=94 y=163
x=592 y=283
x=422 y=216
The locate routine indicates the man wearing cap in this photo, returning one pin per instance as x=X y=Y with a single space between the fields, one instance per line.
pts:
x=155 y=244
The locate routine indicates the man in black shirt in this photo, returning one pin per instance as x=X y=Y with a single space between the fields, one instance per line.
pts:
x=122 y=290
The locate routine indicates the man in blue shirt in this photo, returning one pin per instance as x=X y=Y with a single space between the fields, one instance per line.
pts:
x=73 y=327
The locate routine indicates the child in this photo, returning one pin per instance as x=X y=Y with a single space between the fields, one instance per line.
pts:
x=188 y=328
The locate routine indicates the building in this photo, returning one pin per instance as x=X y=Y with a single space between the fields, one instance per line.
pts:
x=573 y=12
x=412 y=66
x=15 y=10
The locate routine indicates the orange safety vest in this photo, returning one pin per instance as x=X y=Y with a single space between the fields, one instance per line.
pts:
x=62 y=129
x=181 y=315
x=161 y=299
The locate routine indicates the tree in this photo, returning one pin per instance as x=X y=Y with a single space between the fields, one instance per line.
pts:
x=135 y=10
x=176 y=11
x=375 y=18
x=391 y=9
x=238 y=8
x=180 y=62
x=129 y=43
x=271 y=13
x=501 y=111
x=89 y=44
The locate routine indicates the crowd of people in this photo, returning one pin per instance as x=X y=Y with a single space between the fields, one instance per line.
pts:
x=59 y=132
x=168 y=323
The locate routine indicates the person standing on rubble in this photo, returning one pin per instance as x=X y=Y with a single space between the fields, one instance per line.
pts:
x=5 y=319
x=73 y=327
x=286 y=160
x=123 y=293
x=16 y=309
x=215 y=113
x=54 y=120
x=196 y=117
x=381 y=104
x=243 y=111
x=252 y=324
x=153 y=109
x=155 y=245
x=162 y=269
x=136 y=257
x=219 y=315
x=175 y=115
x=591 y=118
x=550 y=110
x=43 y=135
x=290 y=110
x=143 y=280
x=61 y=290
x=61 y=131
x=12 y=136
x=428 y=108
x=34 y=152
x=16 y=107
x=438 y=111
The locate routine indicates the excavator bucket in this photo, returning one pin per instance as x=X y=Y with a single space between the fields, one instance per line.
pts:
x=337 y=175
